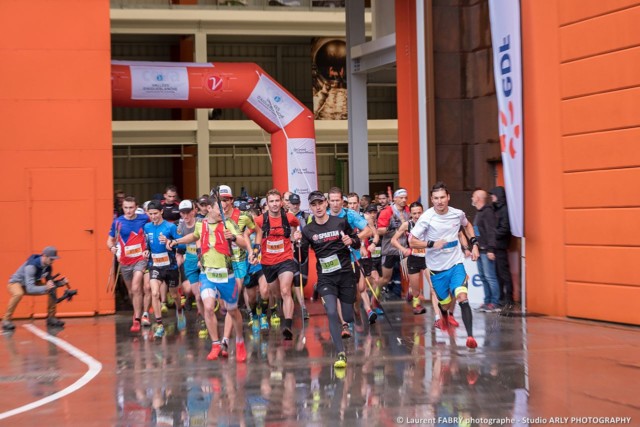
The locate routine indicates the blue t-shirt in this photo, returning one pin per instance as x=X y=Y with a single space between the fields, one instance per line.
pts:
x=355 y=220
x=127 y=226
x=159 y=250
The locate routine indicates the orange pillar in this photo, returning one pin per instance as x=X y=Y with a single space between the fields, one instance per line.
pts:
x=407 y=95
x=544 y=226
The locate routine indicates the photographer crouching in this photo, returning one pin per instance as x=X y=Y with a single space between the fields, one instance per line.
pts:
x=34 y=277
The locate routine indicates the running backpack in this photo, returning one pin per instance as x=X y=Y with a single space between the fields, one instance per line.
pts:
x=286 y=228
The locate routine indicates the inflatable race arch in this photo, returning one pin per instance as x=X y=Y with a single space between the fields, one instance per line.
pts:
x=229 y=85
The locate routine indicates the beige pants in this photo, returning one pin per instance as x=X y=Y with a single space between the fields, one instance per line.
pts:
x=17 y=291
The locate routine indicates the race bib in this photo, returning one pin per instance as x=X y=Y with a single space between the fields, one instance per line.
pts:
x=377 y=252
x=161 y=259
x=419 y=252
x=275 y=247
x=192 y=249
x=217 y=275
x=133 y=251
x=330 y=264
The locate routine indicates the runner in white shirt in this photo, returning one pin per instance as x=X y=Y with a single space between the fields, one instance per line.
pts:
x=437 y=230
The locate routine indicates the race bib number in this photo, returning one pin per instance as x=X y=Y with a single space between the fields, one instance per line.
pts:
x=192 y=249
x=377 y=252
x=330 y=264
x=133 y=251
x=217 y=275
x=419 y=252
x=275 y=247
x=161 y=259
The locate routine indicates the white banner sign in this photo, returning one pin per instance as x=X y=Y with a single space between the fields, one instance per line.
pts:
x=303 y=176
x=476 y=289
x=274 y=103
x=159 y=83
x=507 y=70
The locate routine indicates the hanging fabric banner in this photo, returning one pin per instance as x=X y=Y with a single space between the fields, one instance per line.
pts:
x=507 y=70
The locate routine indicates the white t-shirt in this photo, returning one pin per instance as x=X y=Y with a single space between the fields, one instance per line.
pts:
x=434 y=227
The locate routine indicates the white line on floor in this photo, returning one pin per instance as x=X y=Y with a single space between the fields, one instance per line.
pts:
x=94 y=368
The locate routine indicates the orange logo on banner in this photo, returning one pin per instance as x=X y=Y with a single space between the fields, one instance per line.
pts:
x=503 y=136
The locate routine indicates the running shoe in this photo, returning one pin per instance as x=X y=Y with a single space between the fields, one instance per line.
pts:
x=215 y=352
x=287 y=333
x=241 y=352
x=8 y=325
x=145 y=319
x=419 y=309
x=164 y=309
x=159 y=331
x=452 y=321
x=346 y=333
x=264 y=325
x=275 y=319
x=373 y=316
x=224 y=349
x=471 y=342
x=135 y=327
x=441 y=324
x=341 y=361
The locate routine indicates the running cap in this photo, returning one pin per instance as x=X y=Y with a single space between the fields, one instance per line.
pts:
x=294 y=199
x=50 y=252
x=139 y=211
x=316 y=195
x=400 y=192
x=371 y=208
x=225 y=191
x=186 y=206
x=154 y=204
x=263 y=202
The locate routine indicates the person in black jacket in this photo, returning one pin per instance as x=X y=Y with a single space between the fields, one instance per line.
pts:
x=484 y=225
x=332 y=238
x=503 y=238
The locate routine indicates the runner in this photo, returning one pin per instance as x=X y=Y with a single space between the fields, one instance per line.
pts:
x=300 y=256
x=217 y=277
x=239 y=258
x=389 y=220
x=163 y=265
x=127 y=242
x=330 y=237
x=188 y=260
x=415 y=257
x=437 y=231
x=274 y=230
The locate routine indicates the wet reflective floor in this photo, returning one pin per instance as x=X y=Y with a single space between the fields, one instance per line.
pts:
x=525 y=371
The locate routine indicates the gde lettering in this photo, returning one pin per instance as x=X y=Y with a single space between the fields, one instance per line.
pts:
x=505 y=67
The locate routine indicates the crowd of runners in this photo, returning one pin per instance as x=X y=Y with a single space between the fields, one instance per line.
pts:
x=221 y=253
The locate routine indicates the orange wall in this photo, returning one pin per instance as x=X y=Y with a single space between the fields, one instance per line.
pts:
x=56 y=144
x=582 y=157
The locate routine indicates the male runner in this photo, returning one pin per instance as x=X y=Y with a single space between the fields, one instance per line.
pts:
x=437 y=231
x=127 y=242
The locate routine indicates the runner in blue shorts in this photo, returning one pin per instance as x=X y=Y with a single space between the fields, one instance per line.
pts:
x=437 y=231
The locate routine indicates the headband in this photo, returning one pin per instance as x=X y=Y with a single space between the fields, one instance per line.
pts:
x=400 y=193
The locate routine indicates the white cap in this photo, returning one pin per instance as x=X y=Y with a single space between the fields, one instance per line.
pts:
x=263 y=202
x=225 y=191
x=186 y=205
x=139 y=211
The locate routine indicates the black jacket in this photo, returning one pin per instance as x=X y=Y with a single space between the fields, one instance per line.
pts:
x=503 y=228
x=485 y=227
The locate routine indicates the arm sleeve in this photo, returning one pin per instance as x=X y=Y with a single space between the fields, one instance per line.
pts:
x=112 y=231
x=30 y=282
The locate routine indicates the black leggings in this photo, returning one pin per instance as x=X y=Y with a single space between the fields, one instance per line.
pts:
x=331 y=307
